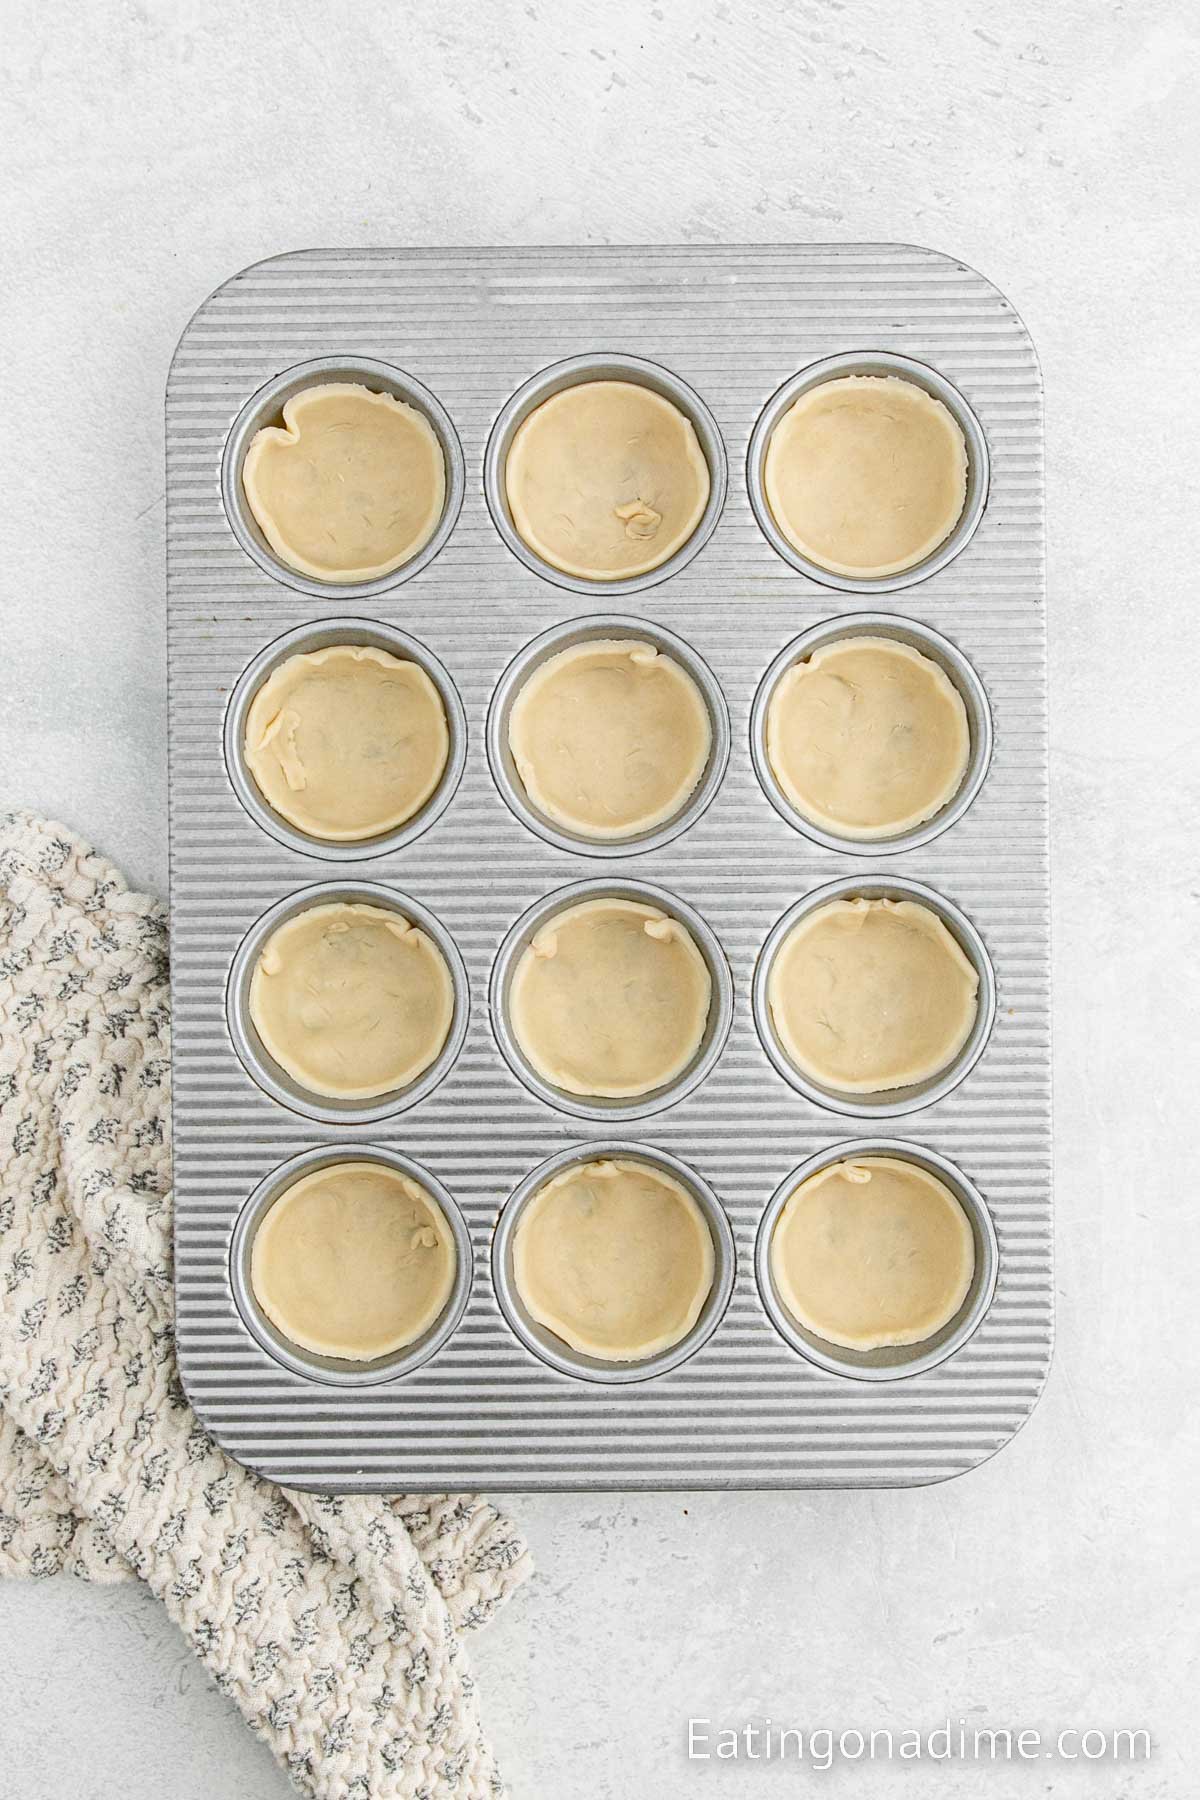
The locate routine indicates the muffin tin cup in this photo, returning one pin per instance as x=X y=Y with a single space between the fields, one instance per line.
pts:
x=895 y=1362
x=564 y=637
x=867 y=362
x=337 y=1371
x=545 y=1343
x=274 y=1080
x=266 y=407
x=716 y=1031
x=930 y=643
x=304 y=640
x=887 y=1103
x=604 y=367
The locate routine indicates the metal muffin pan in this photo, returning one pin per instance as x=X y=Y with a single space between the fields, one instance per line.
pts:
x=930 y=643
x=547 y=1344
x=716 y=1031
x=266 y=408
x=275 y=1080
x=888 y=1103
x=893 y=1362
x=489 y=333
x=565 y=637
x=322 y=635
x=877 y=363
x=336 y=1371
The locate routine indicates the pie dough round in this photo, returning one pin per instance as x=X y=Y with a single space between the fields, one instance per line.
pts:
x=610 y=737
x=350 y=486
x=872 y=1251
x=347 y=742
x=867 y=737
x=610 y=998
x=615 y=1258
x=352 y=1000
x=355 y=1260
x=866 y=475
x=869 y=995
x=606 y=480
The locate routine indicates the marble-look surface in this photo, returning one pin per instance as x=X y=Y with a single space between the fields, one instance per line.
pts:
x=150 y=148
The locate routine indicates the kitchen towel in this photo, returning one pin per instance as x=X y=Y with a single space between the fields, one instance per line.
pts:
x=333 y=1622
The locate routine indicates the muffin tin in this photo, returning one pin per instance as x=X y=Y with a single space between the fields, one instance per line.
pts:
x=476 y=338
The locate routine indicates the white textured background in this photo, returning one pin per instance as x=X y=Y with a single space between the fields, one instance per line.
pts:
x=151 y=149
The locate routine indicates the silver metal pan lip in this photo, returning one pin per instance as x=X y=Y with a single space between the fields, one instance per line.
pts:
x=930 y=643
x=264 y=408
x=321 y=634
x=872 y=362
x=604 y=366
x=262 y=1068
x=900 y=1361
x=544 y=1343
x=888 y=1103
x=331 y=1370
x=717 y=1028
x=562 y=637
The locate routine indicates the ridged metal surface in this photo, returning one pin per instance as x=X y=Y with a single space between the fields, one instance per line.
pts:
x=746 y=1411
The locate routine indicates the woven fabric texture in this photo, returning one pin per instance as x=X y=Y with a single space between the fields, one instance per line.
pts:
x=333 y=1623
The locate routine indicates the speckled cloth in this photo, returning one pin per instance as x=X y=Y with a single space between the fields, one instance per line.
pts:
x=333 y=1623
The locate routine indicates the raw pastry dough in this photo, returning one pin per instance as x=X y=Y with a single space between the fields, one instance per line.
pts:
x=606 y=479
x=610 y=998
x=609 y=737
x=872 y=1251
x=866 y=475
x=869 y=995
x=615 y=1258
x=355 y=1260
x=347 y=742
x=352 y=1000
x=350 y=486
x=867 y=737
